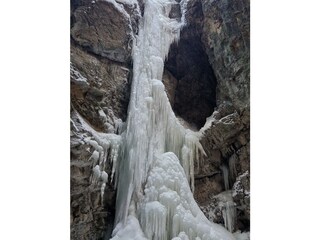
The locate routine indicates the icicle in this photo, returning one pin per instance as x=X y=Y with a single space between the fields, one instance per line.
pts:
x=152 y=183
x=74 y=125
x=227 y=207
x=232 y=167
x=95 y=157
x=104 y=178
x=95 y=145
x=103 y=144
x=225 y=173
x=96 y=174
x=169 y=200
x=228 y=214
x=154 y=221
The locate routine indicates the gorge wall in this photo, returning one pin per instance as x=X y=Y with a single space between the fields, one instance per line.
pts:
x=206 y=75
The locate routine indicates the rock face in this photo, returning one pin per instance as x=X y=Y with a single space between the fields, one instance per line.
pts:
x=206 y=75
x=105 y=86
x=226 y=32
x=104 y=29
x=91 y=218
x=101 y=42
x=226 y=137
x=226 y=141
x=241 y=196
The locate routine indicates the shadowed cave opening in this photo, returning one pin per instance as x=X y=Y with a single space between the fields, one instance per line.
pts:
x=189 y=79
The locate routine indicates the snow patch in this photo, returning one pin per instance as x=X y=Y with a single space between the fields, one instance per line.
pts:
x=107 y=147
x=242 y=236
x=77 y=76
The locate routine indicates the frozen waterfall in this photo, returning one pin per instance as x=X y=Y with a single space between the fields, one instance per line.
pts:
x=154 y=172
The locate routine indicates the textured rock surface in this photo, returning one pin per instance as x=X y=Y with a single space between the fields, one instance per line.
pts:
x=100 y=90
x=107 y=88
x=226 y=32
x=227 y=138
x=103 y=29
x=227 y=142
x=90 y=217
x=241 y=196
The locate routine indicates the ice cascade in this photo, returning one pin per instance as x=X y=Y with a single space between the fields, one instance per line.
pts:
x=154 y=171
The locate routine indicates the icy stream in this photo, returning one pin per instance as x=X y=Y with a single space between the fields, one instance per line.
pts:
x=154 y=170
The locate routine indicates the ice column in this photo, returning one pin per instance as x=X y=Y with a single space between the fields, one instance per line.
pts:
x=152 y=127
x=155 y=165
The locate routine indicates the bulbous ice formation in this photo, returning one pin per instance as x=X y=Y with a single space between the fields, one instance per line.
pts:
x=154 y=199
x=151 y=124
x=168 y=200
